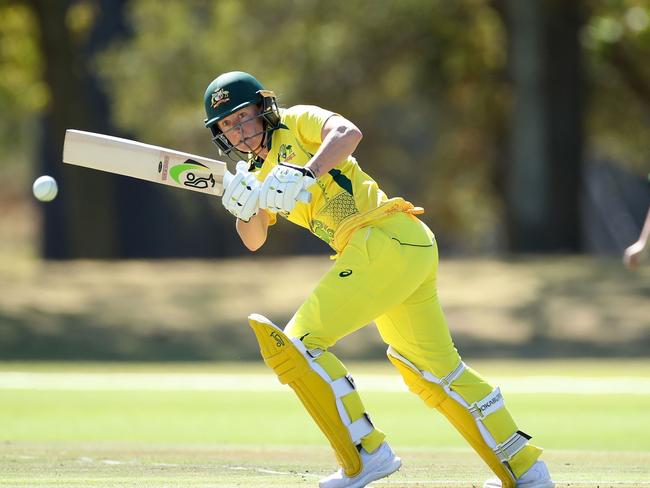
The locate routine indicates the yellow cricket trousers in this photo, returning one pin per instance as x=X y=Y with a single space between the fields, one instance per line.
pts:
x=387 y=273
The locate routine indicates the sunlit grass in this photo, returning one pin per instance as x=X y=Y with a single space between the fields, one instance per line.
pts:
x=221 y=438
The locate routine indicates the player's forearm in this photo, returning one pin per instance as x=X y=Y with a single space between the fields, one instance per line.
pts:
x=253 y=233
x=339 y=144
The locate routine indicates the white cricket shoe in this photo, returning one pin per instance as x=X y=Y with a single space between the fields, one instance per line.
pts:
x=376 y=465
x=536 y=477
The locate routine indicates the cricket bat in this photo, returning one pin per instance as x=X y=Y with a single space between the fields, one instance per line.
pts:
x=148 y=162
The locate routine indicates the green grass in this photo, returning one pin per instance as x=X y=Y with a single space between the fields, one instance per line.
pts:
x=220 y=438
x=557 y=421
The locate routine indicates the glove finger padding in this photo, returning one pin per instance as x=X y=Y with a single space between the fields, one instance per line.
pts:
x=284 y=198
x=282 y=187
x=272 y=195
x=249 y=199
x=249 y=208
x=290 y=191
x=229 y=197
x=240 y=198
x=265 y=193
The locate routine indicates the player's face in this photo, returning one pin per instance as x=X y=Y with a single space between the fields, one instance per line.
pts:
x=244 y=129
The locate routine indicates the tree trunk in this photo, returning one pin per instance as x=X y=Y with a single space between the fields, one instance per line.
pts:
x=546 y=138
x=81 y=222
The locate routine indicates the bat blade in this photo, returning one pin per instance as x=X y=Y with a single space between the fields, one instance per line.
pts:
x=144 y=161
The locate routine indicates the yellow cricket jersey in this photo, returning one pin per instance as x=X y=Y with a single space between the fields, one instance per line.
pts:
x=344 y=199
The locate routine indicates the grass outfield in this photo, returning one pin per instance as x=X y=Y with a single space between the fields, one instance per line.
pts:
x=177 y=425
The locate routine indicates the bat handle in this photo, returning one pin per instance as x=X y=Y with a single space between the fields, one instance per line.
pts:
x=304 y=196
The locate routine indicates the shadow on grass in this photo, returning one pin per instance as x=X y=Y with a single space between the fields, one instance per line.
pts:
x=79 y=337
x=82 y=338
x=532 y=308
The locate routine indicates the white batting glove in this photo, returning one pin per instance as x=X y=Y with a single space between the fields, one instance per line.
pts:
x=282 y=186
x=241 y=196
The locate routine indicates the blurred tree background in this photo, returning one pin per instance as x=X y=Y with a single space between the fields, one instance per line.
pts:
x=521 y=126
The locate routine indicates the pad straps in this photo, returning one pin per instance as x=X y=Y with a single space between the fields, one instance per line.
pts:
x=511 y=446
x=490 y=404
x=341 y=388
x=479 y=410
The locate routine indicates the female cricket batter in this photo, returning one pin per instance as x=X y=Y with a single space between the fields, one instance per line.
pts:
x=385 y=271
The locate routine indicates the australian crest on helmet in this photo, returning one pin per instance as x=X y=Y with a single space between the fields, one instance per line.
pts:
x=219 y=96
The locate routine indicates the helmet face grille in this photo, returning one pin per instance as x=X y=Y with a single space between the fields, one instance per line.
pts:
x=231 y=92
x=270 y=121
x=222 y=142
x=270 y=110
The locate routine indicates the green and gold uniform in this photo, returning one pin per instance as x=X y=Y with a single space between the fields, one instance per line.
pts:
x=385 y=272
x=344 y=199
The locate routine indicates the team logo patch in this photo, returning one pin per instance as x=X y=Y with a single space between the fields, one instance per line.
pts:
x=285 y=153
x=219 y=96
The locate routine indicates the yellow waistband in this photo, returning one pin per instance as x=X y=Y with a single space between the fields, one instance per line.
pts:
x=390 y=207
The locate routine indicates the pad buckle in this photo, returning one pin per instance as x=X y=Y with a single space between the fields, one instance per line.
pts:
x=511 y=446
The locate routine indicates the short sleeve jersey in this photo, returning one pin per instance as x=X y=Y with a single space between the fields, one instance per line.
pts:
x=343 y=199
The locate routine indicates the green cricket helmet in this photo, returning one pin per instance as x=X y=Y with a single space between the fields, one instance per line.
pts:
x=233 y=91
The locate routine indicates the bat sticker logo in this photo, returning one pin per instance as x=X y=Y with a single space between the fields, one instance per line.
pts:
x=200 y=183
x=190 y=170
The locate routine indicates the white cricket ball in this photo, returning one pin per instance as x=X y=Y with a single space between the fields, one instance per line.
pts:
x=45 y=188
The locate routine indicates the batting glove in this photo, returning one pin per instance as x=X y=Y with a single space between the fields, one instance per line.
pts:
x=282 y=186
x=241 y=196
